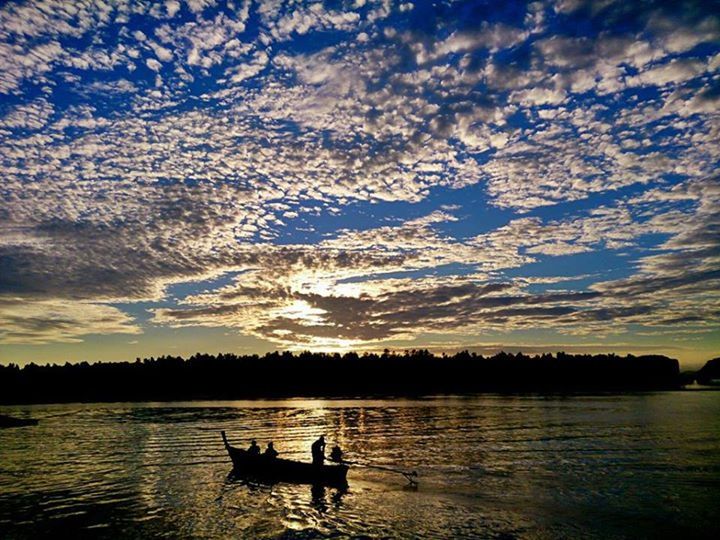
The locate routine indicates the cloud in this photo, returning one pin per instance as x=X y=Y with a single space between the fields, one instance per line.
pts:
x=299 y=301
x=172 y=7
x=153 y=64
x=37 y=321
x=202 y=142
x=676 y=72
x=163 y=54
x=314 y=17
x=33 y=115
x=489 y=37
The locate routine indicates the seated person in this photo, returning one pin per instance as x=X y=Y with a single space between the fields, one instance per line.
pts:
x=270 y=451
x=336 y=454
x=254 y=449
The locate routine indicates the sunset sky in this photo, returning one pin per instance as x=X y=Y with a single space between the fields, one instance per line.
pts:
x=187 y=176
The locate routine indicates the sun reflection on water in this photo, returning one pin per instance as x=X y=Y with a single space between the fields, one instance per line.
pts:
x=489 y=466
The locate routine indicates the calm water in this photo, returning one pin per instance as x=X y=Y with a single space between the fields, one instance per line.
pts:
x=627 y=466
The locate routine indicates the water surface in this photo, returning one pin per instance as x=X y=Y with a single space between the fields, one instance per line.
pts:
x=616 y=466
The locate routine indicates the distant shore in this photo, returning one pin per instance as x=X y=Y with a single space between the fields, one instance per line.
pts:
x=278 y=375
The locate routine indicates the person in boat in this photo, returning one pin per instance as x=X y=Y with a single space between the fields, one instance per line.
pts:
x=336 y=454
x=270 y=451
x=254 y=449
x=318 y=451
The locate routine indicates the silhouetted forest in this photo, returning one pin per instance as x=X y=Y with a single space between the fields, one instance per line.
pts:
x=710 y=373
x=417 y=372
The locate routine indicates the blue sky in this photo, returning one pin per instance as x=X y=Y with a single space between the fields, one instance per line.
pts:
x=187 y=176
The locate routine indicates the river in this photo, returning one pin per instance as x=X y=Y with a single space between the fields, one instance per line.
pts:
x=611 y=466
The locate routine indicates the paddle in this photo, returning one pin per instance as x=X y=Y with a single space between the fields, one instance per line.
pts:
x=410 y=476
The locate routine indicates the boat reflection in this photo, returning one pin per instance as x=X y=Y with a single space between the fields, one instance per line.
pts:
x=318 y=494
x=322 y=498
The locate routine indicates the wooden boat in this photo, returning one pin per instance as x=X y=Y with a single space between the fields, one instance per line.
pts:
x=9 y=421
x=284 y=470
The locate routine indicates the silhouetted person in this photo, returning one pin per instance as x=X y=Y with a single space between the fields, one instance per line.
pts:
x=336 y=454
x=270 y=451
x=318 y=451
x=254 y=449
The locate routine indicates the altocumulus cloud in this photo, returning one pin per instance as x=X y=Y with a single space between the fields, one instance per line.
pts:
x=359 y=172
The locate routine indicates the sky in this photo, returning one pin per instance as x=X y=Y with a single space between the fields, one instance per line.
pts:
x=201 y=176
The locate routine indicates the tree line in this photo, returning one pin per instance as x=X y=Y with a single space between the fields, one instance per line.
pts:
x=286 y=374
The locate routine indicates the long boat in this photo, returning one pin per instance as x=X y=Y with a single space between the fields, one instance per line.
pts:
x=284 y=470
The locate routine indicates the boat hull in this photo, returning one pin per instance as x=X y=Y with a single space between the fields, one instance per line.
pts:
x=284 y=470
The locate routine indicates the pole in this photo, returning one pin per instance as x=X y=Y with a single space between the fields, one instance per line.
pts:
x=410 y=476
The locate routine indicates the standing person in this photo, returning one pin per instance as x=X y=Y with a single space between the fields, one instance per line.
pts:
x=318 y=451
x=254 y=449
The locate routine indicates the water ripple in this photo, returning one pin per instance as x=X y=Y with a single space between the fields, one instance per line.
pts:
x=490 y=467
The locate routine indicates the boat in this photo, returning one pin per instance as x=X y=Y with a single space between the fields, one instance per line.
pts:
x=284 y=470
x=9 y=421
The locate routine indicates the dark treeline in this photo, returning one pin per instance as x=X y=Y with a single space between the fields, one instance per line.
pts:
x=228 y=376
x=710 y=373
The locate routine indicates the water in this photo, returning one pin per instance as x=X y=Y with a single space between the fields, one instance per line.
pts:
x=622 y=466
